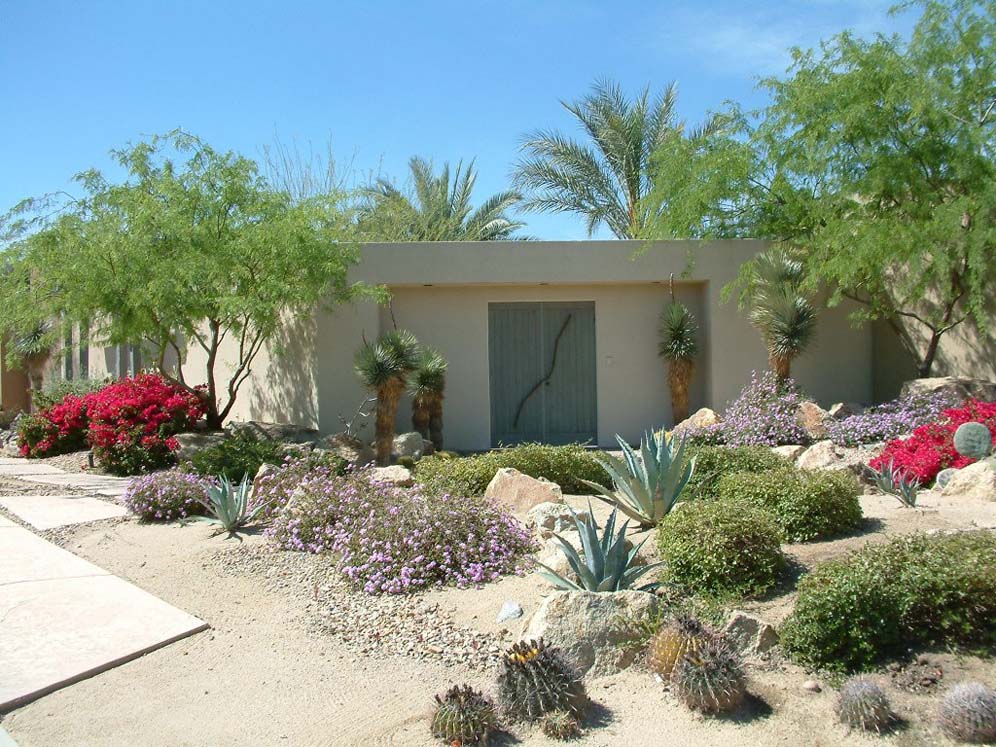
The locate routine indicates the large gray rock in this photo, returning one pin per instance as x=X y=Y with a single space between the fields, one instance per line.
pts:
x=195 y=442
x=519 y=493
x=395 y=475
x=284 y=432
x=976 y=482
x=586 y=626
x=410 y=445
x=350 y=448
x=750 y=634
x=790 y=451
x=827 y=455
x=698 y=419
x=843 y=410
x=813 y=419
x=547 y=518
x=960 y=387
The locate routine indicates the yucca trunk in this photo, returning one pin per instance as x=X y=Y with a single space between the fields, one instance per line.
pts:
x=436 y=422
x=421 y=415
x=388 y=397
x=679 y=376
x=781 y=365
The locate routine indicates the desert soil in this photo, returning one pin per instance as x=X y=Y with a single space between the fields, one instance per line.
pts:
x=295 y=658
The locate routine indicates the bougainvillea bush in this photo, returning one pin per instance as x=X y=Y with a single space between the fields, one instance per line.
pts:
x=891 y=419
x=931 y=447
x=394 y=540
x=58 y=429
x=133 y=423
x=166 y=496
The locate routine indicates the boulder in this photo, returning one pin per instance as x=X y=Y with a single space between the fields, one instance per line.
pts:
x=827 y=455
x=284 y=432
x=944 y=477
x=519 y=493
x=409 y=445
x=959 y=387
x=698 y=419
x=813 y=419
x=350 y=448
x=790 y=452
x=195 y=442
x=976 y=482
x=585 y=625
x=263 y=471
x=395 y=475
x=750 y=634
x=843 y=410
x=547 y=518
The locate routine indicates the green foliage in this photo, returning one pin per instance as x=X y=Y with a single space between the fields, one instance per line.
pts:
x=880 y=600
x=710 y=679
x=973 y=440
x=647 y=486
x=535 y=680
x=678 y=340
x=238 y=456
x=463 y=716
x=968 y=713
x=561 y=725
x=221 y=254
x=897 y=482
x=806 y=505
x=721 y=548
x=429 y=377
x=713 y=462
x=394 y=355
x=606 y=564
x=437 y=208
x=54 y=391
x=568 y=466
x=231 y=506
x=863 y=704
x=606 y=181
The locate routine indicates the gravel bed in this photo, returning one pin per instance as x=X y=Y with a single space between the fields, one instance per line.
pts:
x=373 y=625
x=77 y=461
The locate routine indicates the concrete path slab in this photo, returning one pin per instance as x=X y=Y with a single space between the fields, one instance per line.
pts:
x=27 y=467
x=50 y=511
x=5 y=739
x=60 y=626
x=5 y=522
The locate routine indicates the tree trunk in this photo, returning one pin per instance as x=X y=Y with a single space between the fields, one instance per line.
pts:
x=436 y=422
x=386 y=411
x=421 y=416
x=782 y=366
x=924 y=365
x=679 y=375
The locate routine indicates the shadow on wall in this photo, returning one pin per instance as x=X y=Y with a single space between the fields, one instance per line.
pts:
x=282 y=388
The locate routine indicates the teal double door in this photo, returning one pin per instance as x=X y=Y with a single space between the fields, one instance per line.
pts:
x=542 y=370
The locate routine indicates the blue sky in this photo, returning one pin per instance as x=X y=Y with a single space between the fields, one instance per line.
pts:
x=384 y=80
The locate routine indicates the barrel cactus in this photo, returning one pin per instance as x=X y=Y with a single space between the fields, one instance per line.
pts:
x=562 y=725
x=863 y=704
x=463 y=716
x=684 y=634
x=710 y=680
x=968 y=713
x=973 y=440
x=535 y=680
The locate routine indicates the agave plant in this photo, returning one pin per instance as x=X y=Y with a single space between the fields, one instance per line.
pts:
x=895 y=482
x=606 y=565
x=649 y=484
x=229 y=505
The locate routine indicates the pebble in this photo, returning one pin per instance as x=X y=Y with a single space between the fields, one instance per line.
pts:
x=511 y=610
x=812 y=686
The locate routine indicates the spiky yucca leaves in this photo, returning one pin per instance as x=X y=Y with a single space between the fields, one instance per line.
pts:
x=426 y=388
x=535 y=680
x=562 y=725
x=863 y=704
x=383 y=367
x=678 y=346
x=463 y=716
x=682 y=635
x=710 y=680
x=968 y=713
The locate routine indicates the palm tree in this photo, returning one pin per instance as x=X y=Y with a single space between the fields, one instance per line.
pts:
x=437 y=208
x=779 y=309
x=383 y=367
x=607 y=180
x=33 y=349
x=426 y=387
x=678 y=346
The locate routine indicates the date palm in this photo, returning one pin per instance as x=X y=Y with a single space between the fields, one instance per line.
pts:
x=607 y=179
x=383 y=367
x=426 y=387
x=437 y=207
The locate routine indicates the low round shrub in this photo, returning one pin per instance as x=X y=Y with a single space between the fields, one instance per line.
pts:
x=913 y=590
x=565 y=465
x=59 y=429
x=807 y=505
x=714 y=462
x=394 y=540
x=166 y=496
x=720 y=548
x=242 y=453
x=55 y=391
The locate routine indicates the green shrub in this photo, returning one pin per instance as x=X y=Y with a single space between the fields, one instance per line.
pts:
x=880 y=600
x=565 y=465
x=240 y=454
x=806 y=505
x=54 y=391
x=713 y=462
x=720 y=548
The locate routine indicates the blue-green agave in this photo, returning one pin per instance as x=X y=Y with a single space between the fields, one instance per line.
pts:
x=607 y=565
x=649 y=484
x=895 y=482
x=230 y=506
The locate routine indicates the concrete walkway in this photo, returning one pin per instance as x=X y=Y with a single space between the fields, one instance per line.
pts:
x=106 y=486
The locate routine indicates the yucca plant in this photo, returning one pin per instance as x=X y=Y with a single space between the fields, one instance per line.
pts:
x=607 y=565
x=230 y=505
x=649 y=484
x=426 y=387
x=33 y=348
x=384 y=367
x=678 y=346
x=895 y=482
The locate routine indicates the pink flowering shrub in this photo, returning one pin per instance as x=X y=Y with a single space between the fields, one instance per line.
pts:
x=133 y=421
x=59 y=429
x=166 y=496
x=395 y=540
x=931 y=447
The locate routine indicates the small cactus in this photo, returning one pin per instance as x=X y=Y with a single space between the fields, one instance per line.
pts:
x=944 y=477
x=711 y=679
x=535 y=679
x=562 y=725
x=463 y=717
x=973 y=440
x=968 y=713
x=863 y=704
x=684 y=634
